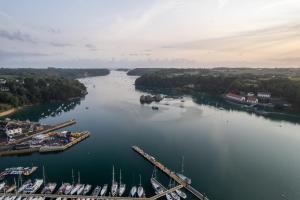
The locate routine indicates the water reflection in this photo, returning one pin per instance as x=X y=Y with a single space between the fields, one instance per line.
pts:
x=221 y=104
x=42 y=111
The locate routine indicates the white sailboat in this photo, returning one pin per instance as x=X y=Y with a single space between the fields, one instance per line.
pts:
x=140 y=190
x=104 y=190
x=114 y=186
x=122 y=185
x=133 y=191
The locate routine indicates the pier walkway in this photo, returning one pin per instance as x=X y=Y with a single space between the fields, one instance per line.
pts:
x=54 y=196
x=170 y=173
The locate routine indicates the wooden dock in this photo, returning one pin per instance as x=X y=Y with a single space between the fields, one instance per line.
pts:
x=53 y=128
x=64 y=147
x=170 y=173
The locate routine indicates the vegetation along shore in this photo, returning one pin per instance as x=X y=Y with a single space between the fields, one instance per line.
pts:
x=26 y=86
x=281 y=87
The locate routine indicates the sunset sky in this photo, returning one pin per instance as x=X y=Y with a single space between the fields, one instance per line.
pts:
x=150 y=33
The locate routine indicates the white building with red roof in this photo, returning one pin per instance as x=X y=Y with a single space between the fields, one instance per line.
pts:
x=235 y=97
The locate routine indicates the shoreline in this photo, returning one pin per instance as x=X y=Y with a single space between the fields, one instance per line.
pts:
x=8 y=112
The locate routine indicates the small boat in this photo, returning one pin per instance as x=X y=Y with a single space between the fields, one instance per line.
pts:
x=104 y=190
x=87 y=189
x=114 y=185
x=96 y=191
x=169 y=197
x=154 y=108
x=29 y=171
x=75 y=189
x=122 y=186
x=2 y=185
x=175 y=196
x=68 y=189
x=33 y=187
x=62 y=188
x=19 y=198
x=13 y=198
x=49 y=188
x=11 y=189
x=140 y=190
x=80 y=190
x=181 y=194
x=58 y=198
x=133 y=191
x=156 y=187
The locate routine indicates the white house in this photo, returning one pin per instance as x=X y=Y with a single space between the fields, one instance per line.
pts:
x=252 y=100
x=2 y=81
x=264 y=95
x=13 y=132
x=4 y=89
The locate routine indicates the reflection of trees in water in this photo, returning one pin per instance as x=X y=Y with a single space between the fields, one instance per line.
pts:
x=38 y=112
x=220 y=103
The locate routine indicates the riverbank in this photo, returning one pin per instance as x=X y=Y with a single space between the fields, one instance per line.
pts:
x=8 y=112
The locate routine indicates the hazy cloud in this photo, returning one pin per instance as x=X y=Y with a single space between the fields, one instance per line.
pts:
x=59 y=44
x=244 y=40
x=17 y=36
x=9 y=54
x=4 y=15
x=91 y=47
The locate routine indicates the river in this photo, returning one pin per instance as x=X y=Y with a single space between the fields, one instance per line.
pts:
x=229 y=154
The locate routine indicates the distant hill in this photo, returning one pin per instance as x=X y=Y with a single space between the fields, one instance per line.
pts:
x=52 y=72
x=142 y=71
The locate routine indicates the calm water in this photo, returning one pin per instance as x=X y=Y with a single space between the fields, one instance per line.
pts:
x=229 y=154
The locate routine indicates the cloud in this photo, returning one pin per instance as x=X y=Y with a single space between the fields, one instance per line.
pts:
x=58 y=44
x=255 y=39
x=10 y=54
x=17 y=36
x=91 y=47
x=5 y=15
x=140 y=54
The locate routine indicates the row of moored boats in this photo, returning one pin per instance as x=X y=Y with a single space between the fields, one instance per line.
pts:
x=117 y=189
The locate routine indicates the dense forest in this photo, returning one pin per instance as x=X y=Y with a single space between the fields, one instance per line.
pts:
x=142 y=71
x=52 y=72
x=283 y=84
x=31 y=86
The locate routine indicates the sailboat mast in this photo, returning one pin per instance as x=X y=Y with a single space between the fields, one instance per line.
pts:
x=44 y=179
x=170 y=183
x=140 y=180
x=182 y=165
x=154 y=172
x=79 y=177
x=72 y=177
x=120 y=177
x=113 y=174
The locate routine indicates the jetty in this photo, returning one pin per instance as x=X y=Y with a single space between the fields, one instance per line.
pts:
x=170 y=173
x=47 y=148
x=52 y=128
x=29 y=136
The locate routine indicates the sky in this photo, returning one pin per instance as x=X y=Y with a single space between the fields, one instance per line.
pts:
x=150 y=33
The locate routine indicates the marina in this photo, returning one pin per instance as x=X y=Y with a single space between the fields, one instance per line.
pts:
x=84 y=191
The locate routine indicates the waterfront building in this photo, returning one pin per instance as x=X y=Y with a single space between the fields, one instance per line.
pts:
x=235 y=97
